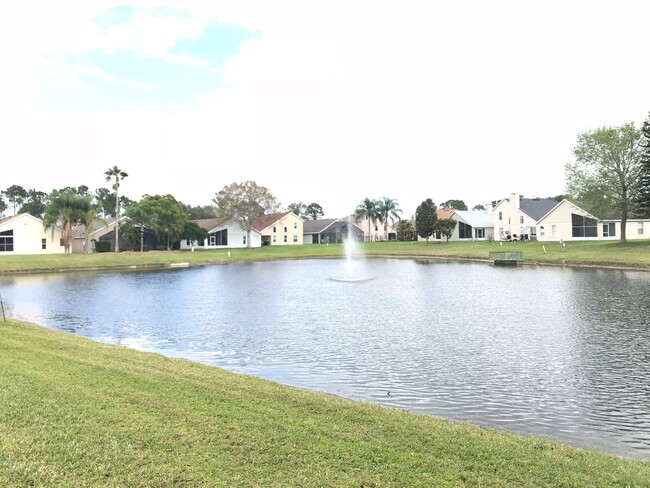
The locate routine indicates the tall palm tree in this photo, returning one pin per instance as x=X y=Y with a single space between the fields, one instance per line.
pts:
x=387 y=210
x=119 y=175
x=367 y=209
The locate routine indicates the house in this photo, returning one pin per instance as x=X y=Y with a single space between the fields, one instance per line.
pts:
x=104 y=231
x=373 y=230
x=25 y=234
x=517 y=216
x=475 y=225
x=223 y=234
x=634 y=229
x=567 y=221
x=283 y=229
x=329 y=230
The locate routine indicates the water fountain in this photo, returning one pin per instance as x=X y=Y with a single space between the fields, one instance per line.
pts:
x=353 y=266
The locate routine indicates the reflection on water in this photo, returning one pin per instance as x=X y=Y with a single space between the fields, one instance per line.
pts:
x=561 y=353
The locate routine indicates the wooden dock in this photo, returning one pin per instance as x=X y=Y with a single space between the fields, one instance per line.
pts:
x=507 y=258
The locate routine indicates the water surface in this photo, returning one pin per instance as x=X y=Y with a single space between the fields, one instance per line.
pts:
x=557 y=352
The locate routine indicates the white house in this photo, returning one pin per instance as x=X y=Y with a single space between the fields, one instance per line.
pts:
x=223 y=235
x=475 y=225
x=25 y=234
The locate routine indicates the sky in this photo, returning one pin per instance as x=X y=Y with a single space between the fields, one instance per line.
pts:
x=327 y=102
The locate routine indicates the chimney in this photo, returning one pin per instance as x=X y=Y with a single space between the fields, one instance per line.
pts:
x=514 y=200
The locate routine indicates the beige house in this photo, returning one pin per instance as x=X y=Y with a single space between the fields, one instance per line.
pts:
x=373 y=230
x=567 y=221
x=634 y=229
x=25 y=234
x=516 y=216
x=280 y=229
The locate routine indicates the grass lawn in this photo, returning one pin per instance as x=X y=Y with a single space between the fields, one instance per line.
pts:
x=76 y=413
x=598 y=253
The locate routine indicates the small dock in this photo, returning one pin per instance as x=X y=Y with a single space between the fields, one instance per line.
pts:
x=506 y=258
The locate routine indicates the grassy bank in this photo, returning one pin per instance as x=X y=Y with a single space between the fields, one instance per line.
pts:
x=602 y=253
x=78 y=413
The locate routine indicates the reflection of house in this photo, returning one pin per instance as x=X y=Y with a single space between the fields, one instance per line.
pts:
x=223 y=234
x=283 y=229
x=25 y=234
x=329 y=230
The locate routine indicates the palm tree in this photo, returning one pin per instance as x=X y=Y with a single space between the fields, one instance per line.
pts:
x=367 y=209
x=119 y=175
x=387 y=210
x=65 y=208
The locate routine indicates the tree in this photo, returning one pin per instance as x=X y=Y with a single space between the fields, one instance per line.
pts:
x=244 y=202
x=298 y=209
x=607 y=170
x=453 y=205
x=405 y=230
x=16 y=196
x=65 y=208
x=387 y=211
x=118 y=175
x=34 y=203
x=367 y=209
x=314 y=211
x=425 y=219
x=141 y=214
x=165 y=216
x=3 y=205
x=193 y=232
x=445 y=227
x=478 y=207
x=643 y=199
x=199 y=212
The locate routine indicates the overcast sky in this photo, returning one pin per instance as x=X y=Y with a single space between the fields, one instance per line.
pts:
x=326 y=102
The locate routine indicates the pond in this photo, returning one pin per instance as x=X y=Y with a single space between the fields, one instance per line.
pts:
x=562 y=353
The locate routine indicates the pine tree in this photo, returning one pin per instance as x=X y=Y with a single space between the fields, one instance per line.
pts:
x=643 y=202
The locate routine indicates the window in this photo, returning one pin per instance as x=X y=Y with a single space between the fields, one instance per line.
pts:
x=500 y=215
x=480 y=233
x=295 y=225
x=219 y=238
x=274 y=239
x=285 y=238
x=7 y=241
x=541 y=231
x=640 y=228
x=274 y=229
x=582 y=226
x=464 y=231
x=295 y=238
x=553 y=230
x=43 y=243
x=243 y=239
x=285 y=230
x=609 y=230
x=521 y=219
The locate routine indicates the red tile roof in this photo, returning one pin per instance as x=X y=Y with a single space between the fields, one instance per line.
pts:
x=264 y=221
x=445 y=213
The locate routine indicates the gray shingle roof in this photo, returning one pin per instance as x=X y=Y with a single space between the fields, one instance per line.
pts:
x=536 y=208
x=316 y=226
